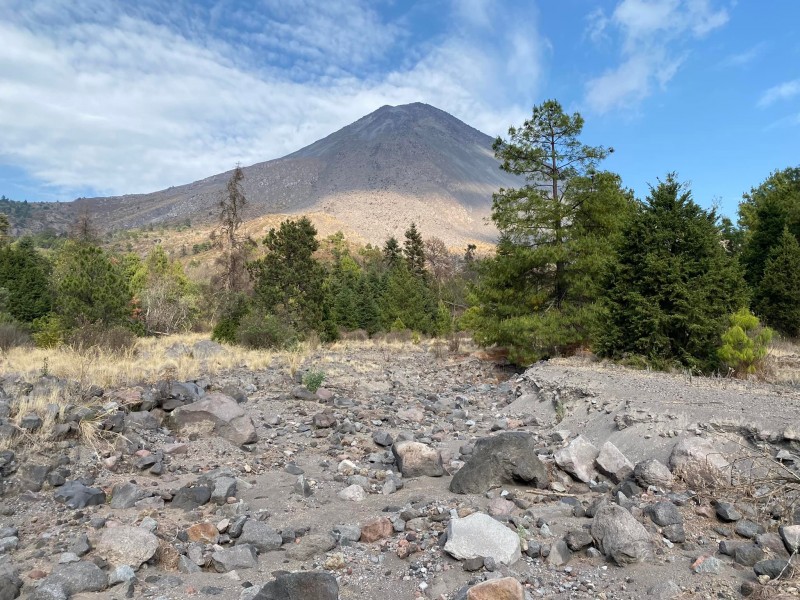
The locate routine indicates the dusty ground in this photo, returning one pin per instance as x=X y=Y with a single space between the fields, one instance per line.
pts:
x=373 y=387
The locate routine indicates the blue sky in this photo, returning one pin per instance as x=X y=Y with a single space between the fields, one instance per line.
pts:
x=100 y=97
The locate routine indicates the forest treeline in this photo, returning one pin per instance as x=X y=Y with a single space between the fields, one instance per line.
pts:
x=581 y=264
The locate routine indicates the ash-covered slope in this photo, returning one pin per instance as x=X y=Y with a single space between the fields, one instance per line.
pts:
x=397 y=164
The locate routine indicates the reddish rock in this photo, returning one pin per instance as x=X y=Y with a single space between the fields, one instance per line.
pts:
x=500 y=506
x=377 y=529
x=206 y=533
x=506 y=588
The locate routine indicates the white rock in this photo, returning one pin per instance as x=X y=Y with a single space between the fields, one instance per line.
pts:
x=481 y=535
x=353 y=493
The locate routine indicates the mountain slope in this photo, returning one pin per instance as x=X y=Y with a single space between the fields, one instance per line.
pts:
x=373 y=177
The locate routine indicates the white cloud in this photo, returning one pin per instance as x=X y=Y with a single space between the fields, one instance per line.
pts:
x=652 y=34
x=122 y=101
x=784 y=91
x=746 y=57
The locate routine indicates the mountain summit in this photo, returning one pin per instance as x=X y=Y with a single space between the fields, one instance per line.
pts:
x=373 y=177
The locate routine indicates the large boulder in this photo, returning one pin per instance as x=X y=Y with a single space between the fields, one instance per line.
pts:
x=218 y=414
x=508 y=457
x=126 y=545
x=300 y=586
x=577 y=459
x=76 y=578
x=77 y=495
x=415 y=459
x=234 y=558
x=619 y=536
x=694 y=456
x=260 y=536
x=613 y=463
x=481 y=535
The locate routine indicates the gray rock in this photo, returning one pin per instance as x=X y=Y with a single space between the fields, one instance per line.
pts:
x=472 y=564
x=224 y=488
x=8 y=543
x=674 y=533
x=772 y=568
x=122 y=574
x=191 y=497
x=480 y=535
x=508 y=457
x=302 y=487
x=310 y=546
x=9 y=587
x=709 y=565
x=698 y=455
x=748 y=529
x=80 y=546
x=186 y=565
x=578 y=539
x=142 y=421
x=619 y=536
x=349 y=533
x=260 y=536
x=578 y=458
x=664 y=590
x=664 y=513
x=75 y=578
x=32 y=477
x=790 y=534
x=300 y=586
x=613 y=463
x=241 y=556
x=560 y=554
x=126 y=545
x=218 y=414
x=126 y=495
x=727 y=512
x=30 y=422
x=652 y=472
x=748 y=554
x=77 y=495
x=415 y=459
x=382 y=438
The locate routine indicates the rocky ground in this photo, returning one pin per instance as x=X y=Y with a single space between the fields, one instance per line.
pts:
x=408 y=474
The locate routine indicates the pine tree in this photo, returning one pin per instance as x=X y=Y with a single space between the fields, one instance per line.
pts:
x=673 y=286
x=414 y=251
x=392 y=254
x=777 y=296
x=406 y=297
x=538 y=295
x=25 y=276
x=289 y=280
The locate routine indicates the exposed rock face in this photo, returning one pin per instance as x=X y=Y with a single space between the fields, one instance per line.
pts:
x=481 y=535
x=215 y=413
x=619 y=536
x=698 y=454
x=613 y=463
x=503 y=458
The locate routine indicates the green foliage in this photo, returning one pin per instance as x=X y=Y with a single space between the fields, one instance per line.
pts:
x=264 y=330
x=234 y=308
x=12 y=335
x=538 y=295
x=392 y=254
x=673 y=284
x=777 y=295
x=289 y=279
x=49 y=331
x=313 y=380
x=408 y=298
x=744 y=343
x=25 y=274
x=89 y=286
x=414 y=251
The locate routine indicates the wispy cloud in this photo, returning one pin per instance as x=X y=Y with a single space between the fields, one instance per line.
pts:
x=133 y=97
x=746 y=57
x=652 y=35
x=783 y=91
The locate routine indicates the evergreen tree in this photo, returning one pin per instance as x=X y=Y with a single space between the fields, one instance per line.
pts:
x=25 y=276
x=368 y=292
x=673 y=286
x=289 y=280
x=407 y=298
x=537 y=295
x=89 y=286
x=392 y=254
x=777 y=296
x=414 y=251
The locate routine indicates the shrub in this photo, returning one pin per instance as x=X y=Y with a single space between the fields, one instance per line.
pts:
x=313 y=380
x=265 y=331
x=744 y=344
x=49 y=331
x=357 y=335
x=13 y=335
x=96 y=335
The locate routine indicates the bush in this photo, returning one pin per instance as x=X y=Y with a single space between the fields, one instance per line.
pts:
x=49 y=331
x=13 y=335
x=112 y=339
x=265 y=331
x=357 y=335
x=313 y=380
x=744 y=344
